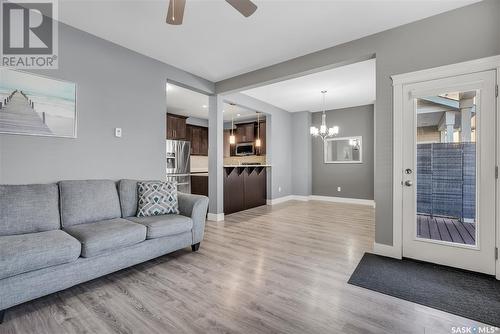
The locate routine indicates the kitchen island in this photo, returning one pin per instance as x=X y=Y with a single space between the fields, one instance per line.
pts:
x=245 y=187
x=199 y=183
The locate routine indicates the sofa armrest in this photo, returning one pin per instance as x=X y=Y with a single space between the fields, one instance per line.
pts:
x=196 y=207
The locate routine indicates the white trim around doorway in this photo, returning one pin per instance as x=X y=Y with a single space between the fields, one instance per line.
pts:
x=478 y=65
x=498 y=185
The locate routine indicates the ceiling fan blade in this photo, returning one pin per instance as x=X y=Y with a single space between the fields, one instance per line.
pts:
x=175 y=12
x=245 y=7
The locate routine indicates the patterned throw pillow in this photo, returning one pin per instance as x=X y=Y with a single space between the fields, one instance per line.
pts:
x=157 y=198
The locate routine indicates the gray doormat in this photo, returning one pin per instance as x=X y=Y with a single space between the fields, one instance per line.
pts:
x=464 y=293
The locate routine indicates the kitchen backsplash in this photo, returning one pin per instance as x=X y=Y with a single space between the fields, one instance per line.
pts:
x=199 y=163
x=260 y=159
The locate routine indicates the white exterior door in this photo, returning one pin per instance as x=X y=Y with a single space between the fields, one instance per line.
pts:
x=449 y=161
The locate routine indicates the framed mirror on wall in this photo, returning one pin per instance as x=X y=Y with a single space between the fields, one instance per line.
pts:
x=343 y=150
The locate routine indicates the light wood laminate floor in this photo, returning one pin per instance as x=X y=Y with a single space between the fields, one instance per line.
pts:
x=280 y=269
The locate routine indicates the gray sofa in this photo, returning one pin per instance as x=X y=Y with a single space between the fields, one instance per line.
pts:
x=54 y=236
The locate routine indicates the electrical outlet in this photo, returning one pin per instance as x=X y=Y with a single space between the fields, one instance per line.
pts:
x=118 y=132
x=339 y=189
x=279 y=189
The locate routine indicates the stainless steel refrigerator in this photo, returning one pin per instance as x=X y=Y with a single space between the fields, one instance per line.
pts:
x=178 y=164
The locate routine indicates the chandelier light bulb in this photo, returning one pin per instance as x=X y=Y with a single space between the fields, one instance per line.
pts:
x=324 y=132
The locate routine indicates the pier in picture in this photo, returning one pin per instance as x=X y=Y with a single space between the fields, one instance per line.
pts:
x=35 y=105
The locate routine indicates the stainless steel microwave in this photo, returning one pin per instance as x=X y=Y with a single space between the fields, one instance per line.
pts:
x=245 y=149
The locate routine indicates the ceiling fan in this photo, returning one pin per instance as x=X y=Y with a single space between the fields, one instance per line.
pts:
x=175 y=12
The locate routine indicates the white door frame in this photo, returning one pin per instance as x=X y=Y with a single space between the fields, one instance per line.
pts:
x=479 y=65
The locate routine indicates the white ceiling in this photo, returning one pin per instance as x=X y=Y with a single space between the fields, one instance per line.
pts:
x=347 y=86
x=216 y=42
x=240 y=113
x=185 y=102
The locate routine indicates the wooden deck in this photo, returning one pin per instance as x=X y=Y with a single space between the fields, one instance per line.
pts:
x=446 y=229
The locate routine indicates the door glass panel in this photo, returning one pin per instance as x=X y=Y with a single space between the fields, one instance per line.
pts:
x=446 y=167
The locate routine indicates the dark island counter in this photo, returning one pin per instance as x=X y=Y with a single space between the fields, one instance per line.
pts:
x=245 y=187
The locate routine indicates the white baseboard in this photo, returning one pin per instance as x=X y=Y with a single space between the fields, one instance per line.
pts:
x=386 y=250
x=300 y=198
x=321 y=198
x=368 y=202
x=279 y=200
x=215 y=217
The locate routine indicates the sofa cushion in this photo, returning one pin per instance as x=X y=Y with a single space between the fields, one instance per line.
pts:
x=164 y=226
x=157 y=198
x=127 y=190
x=29 y=208
x=88 y=201
x=107 y=235
x=26 y=252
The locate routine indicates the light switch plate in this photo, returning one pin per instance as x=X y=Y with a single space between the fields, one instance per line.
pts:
x=118 y=132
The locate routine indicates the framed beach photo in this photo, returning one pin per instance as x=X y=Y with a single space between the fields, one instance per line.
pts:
x=35 y=105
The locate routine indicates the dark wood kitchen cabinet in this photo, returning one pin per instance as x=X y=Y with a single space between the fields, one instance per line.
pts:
x=234 y=194
x=227 y=146
x=176 y=127
x=244 y=188
x=199 y=185
x=262 y=134
x=245 y=132
x=194 y=136
x=198 y=136
x=255 y=187
x=204 y=141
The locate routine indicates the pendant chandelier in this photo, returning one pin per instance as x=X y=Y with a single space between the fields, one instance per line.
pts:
x=258 y=142
x=232 y=138
x=323 y=131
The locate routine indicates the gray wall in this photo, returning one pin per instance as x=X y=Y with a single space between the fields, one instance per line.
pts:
x=355 y=180
x=216 y=154
x=463 y=34
x=301 y=153
x=278 y=141
x=116 y=87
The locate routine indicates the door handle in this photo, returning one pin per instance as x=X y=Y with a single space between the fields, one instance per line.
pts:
x=408 y=183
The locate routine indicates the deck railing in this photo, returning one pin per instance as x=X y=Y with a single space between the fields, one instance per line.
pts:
x=446 y=180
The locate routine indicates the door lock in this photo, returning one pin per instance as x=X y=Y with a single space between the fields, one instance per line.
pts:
x=408 y=171
x=408 y=183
